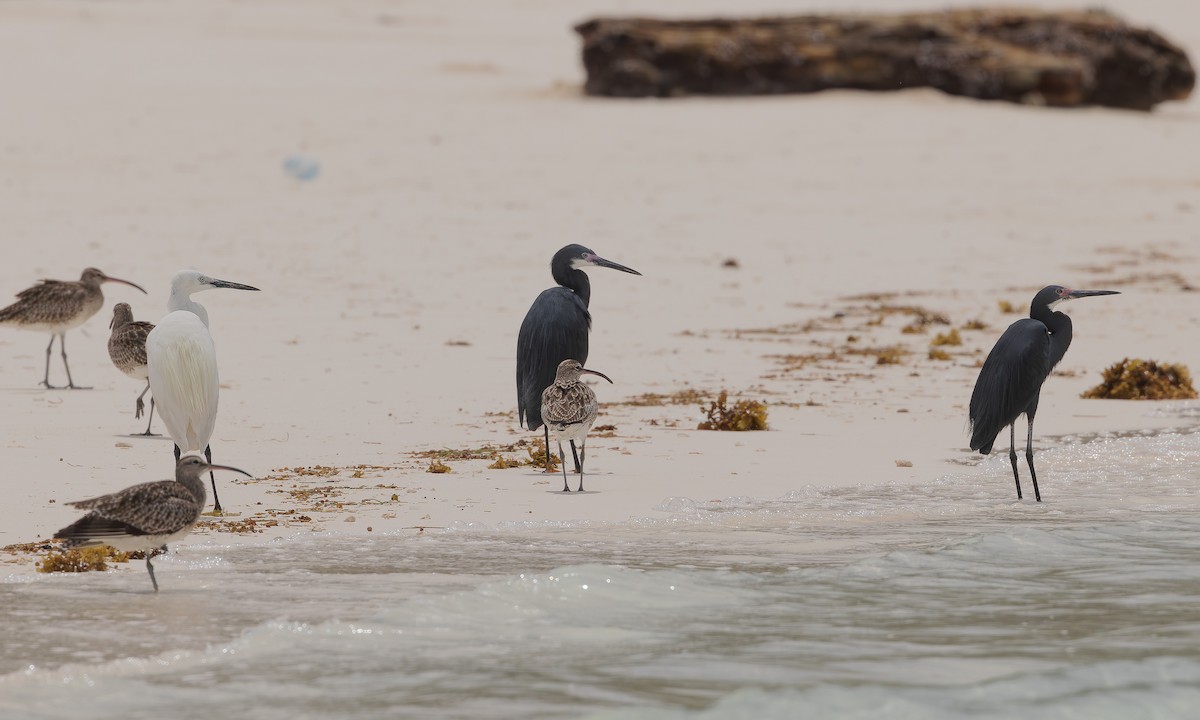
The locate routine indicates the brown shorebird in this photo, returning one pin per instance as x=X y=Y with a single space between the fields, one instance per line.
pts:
x=569 y=408
x=145 y=517
x=55 y=307
x=127 y=349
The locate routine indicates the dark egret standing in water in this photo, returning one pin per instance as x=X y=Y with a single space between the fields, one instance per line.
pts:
x=1010 y=382
x=556 y=329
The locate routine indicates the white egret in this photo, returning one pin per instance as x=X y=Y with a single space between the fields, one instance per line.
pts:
x=182 y=360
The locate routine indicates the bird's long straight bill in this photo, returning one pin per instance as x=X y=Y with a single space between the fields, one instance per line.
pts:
x=601 y=262
x=233 y=286
x=1091 y=293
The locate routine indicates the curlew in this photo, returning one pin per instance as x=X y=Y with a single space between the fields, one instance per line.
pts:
x=569 y=408
x=57 y=306
x=127 y=349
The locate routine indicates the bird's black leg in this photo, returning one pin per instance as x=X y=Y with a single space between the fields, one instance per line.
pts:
x=563 y=461
x=575 y=457
x=151 y=420
x=1012 y=455
x=176 y=453
x=213 y=479
x=546 y=428
x=150 y=568
x=1029 y=458
x=139 y=407
x=582 y=455
x=62 y=345
x=46 y=377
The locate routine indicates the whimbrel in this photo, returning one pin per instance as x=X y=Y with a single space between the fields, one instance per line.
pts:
x=182 y=362
x=569 y=408
x=55 y=307
x=147 y=516
x=127 y=349
x=556 y=329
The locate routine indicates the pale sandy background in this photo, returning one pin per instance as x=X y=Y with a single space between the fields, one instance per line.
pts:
x=457 y=155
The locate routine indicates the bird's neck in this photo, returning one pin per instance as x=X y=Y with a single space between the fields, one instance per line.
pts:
x=577 y=282
x=1059 y=327
x=195 y=486
x=182 y=301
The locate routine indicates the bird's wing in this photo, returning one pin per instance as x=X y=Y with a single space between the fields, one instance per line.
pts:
x=154 y=508
x=182 y=363
x=52 y=302
x=555 y=329
x=1011 y=378
x=568 y=405
x=127 y=344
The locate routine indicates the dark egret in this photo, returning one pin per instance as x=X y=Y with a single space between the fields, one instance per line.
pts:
x=556 y=329
x=1010 y=382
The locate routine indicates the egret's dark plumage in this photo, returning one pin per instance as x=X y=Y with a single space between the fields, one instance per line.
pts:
x=1010 y=382
x=556 y=329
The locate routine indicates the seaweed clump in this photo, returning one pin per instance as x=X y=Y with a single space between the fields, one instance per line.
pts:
x=1144 y=380
x=538 y=456
x=437 y=466
x=86 y=559
x=744 y=415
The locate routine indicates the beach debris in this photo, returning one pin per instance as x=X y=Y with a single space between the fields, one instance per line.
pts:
x=947 y=338
x=1034 y=57
x=744 y=415
x=1008 y=308
x=85 y=559
x=538 y=457
x=302 y=167
x=437 y=466
x=503 y=463
x=1144 y=380
x=904 y=463
x=938 y=354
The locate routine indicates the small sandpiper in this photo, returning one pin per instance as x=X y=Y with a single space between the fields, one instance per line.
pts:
x=147 y=516
x=57 y=306
x=569 y=408
x=127 y=349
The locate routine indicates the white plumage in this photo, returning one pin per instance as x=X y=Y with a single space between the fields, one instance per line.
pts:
x=182 y=361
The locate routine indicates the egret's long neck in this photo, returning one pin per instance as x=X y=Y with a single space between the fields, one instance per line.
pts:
x=183 y=301
x=1060 y=329
x=577 y=280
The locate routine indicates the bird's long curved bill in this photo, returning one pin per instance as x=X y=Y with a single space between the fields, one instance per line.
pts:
x=233 y=286
x=596 y=372
x=227 y=467
x=110 y=278
x=1091 y=293
x=601 y=262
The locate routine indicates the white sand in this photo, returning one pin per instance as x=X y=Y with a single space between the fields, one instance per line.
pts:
x=457 y=155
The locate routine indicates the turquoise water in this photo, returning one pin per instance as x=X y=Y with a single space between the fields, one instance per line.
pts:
x=948 y=599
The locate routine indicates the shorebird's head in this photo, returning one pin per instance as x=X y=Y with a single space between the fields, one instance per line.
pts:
x=1050 y=296
x=122 y=314
x=94 y=276
x=569 y=372
x=193 y=466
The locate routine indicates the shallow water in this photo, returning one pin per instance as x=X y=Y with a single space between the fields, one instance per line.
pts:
x=948 y=599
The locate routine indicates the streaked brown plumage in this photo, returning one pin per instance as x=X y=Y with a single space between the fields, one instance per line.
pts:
x=57 y=306
x=569 y=408
x=127 y=349
x=144 y=517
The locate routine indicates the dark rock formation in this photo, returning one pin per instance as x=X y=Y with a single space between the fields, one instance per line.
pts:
x=1026 y=56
